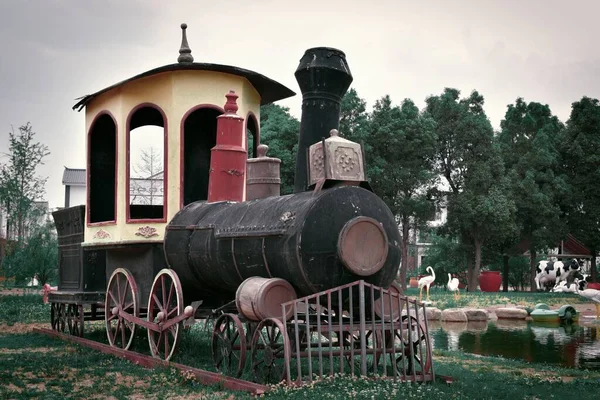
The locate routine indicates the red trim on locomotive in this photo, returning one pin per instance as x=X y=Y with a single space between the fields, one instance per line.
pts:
x=88 y=166
x=128 y=218
x=227 y=176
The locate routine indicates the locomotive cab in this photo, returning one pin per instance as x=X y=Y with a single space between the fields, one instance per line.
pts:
x=149 y=141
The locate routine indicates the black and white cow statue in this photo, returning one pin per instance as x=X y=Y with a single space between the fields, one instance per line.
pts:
x=554 y=271
x=575 y=280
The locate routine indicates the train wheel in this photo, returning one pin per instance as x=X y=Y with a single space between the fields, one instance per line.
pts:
x=165 y=303
x=61 y=317
x=53 y=319
x=270 y=351
x=57 y=317
x=121 y=297
x=352 y=342
x=229 y=345
x=414 y=358
x=75 y=319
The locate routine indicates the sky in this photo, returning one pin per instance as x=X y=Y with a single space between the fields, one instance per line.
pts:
x=54 y=51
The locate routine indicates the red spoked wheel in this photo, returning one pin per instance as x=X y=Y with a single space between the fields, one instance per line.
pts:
x=164 y=304
x=270 y=350
x=229 y=345
x=75 y=319
x=121 y=298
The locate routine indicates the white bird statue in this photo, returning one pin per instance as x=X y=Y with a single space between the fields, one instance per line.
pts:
x=453 y=286
x=426 y=281
x=593 y=295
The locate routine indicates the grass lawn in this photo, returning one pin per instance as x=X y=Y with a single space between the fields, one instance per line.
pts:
x=443 y=299
x=36 y=366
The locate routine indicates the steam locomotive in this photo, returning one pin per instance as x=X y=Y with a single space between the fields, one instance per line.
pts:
x=222 y=222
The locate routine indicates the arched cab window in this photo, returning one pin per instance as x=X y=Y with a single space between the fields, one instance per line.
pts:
x=102 y=159
x=146 y=166
x=252 y=136
x=199 y=136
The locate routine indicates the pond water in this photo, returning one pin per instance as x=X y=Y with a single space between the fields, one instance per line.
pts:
x=570 y=345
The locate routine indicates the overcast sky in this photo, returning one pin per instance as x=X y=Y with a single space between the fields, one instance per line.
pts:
x=54 y=51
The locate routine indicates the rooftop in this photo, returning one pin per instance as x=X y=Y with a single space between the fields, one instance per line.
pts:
x=73 y=177
x=268 y=89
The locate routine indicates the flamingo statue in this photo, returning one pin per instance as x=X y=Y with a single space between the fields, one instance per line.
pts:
x=593 y=295
x=426 y=281
x=453 y=286
x=46 y=290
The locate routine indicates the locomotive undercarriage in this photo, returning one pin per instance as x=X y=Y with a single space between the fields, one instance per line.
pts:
x=322 y=337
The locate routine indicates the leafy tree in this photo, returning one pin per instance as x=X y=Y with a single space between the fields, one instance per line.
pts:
x=354 y=118
x=37 y=257
x=400 y=150
x=446 y=256
x=517 y=273
x=581 y=150
x=479 y=206
x=19 y=184
x=529 y=140
x=279 y=130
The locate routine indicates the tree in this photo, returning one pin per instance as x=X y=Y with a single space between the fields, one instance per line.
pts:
x=38 y=257
x=19 y=184
x=446 y=255
x=279 y=130
x=484 y=210
x=479 y=207
x=400 y=151
x=148 y=182
x=354 y=118
x=529 y=140
x=581 y=161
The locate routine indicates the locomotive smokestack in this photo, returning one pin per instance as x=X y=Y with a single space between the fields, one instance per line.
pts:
x=324 y=77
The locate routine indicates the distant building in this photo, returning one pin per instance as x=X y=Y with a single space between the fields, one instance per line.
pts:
x=422 y=238
x=2 y=235
x=148 y=191
x=74 y=181
x=3 y=220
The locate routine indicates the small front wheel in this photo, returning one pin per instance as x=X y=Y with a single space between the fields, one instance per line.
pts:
x=229 y=345
x=270 y=351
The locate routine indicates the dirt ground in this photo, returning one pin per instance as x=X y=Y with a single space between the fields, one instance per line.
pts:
x=19 y=291
x=19 y=328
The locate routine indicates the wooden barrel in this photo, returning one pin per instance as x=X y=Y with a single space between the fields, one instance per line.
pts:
x=260 y=298
x=394 y=288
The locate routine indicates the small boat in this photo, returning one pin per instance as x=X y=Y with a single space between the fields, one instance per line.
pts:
x=546 y=316
x=542 y=313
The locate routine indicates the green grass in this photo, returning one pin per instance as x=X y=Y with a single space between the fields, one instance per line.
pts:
x=443 y=299
x=23 y=308
x=33 y=365
x=474 y=378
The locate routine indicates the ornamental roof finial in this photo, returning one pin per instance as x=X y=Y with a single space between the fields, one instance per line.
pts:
x=185 y=53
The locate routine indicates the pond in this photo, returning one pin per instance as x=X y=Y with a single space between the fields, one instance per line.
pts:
x=569 y=345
